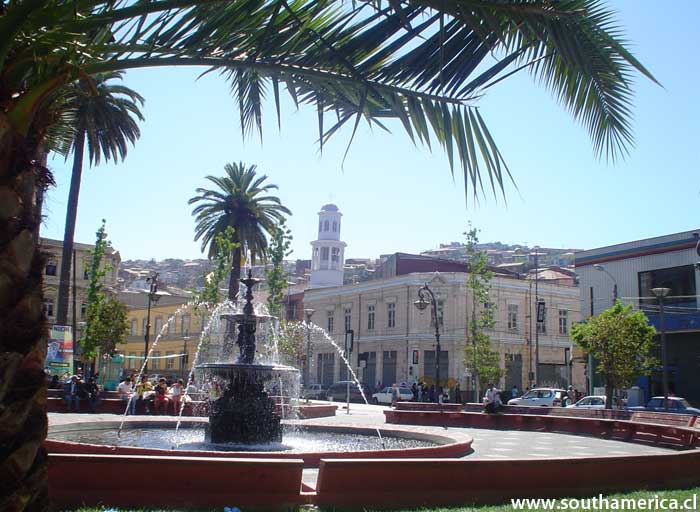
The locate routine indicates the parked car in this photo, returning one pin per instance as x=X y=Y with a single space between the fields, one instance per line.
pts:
x=384 y=396
x=544 y=397
x=589 y=402
x=676 y=405
x=337 y=392
x=314 y=392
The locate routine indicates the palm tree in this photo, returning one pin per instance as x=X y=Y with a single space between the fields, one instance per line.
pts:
x=238 y=202
x=421 y=62
x=103 y=116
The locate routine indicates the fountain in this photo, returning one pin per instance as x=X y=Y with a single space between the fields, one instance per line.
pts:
x=243 y=412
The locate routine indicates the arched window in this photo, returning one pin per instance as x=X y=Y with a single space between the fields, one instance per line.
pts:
x=325 y=226
x=335 y=226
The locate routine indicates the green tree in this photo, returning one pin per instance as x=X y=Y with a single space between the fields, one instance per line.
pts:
x=480 y=357
x=291 y=342
x=276 y=277
x=621 y=341
x=101 y=114
x=356 y=60
x=106 y=318
x=238 y=202
x=225 y=247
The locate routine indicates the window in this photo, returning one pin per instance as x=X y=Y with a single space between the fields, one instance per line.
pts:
x=158 y=326
x=348 y=319
x=155 y=361
x=391 y=315
x=335 y=258
x=170 y=361
x=134 y=327
x=335 y=226
x=51 y=268
x=324 y=258
x=370 y=317
x=48 y=307
x=144 y=326
x=325 y=226
x=329 y=315
x=681 y=281
x=83 y=310
x=440 y=309
x=563 y=321
x=542 y=326
x=513 y=317
x=185 y=325
x=86 y=272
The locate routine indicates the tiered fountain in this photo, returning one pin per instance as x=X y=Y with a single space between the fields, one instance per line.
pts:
x=244 y=413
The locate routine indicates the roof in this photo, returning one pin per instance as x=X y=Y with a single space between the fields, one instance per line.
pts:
x=330 y=207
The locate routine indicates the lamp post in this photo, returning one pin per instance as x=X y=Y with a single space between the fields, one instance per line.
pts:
x=601 y=268
x=537 y=309
x=308 y=313
x=152 y=297
x=349 y=339
x=426 y=298
x=660 y=294
x=184 y=363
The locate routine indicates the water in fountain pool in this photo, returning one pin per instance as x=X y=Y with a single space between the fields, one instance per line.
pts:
x=297 y=441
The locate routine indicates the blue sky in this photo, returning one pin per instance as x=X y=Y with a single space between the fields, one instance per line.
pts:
x=398 y=197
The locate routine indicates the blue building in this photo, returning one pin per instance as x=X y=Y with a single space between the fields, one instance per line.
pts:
x=630 y=270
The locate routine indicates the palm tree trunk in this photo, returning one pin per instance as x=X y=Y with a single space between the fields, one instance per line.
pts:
x=69 y=233
x=234 y=281
x=23 y=328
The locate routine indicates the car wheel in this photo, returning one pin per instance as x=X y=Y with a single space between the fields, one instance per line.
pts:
x=375 y=401
x=330 y=398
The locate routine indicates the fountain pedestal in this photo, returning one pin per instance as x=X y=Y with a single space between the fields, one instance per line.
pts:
x=241 y=412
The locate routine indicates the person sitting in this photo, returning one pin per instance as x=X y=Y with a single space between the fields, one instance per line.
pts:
x=72 y=393
x=175 y=394
x=126 y=393
x=161 y=400
x=492 y=399
x=92 y=392
x=144 y=390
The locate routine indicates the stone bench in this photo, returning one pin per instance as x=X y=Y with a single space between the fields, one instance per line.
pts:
x=439 y=482
x=132 y=481
x=118 y=406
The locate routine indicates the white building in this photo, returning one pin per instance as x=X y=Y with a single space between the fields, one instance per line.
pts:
x=328 y=252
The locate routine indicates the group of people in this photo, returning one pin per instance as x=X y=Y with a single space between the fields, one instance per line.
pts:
x=157 y=398
x=76 y=389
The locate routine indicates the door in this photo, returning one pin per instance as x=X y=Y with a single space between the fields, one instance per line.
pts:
x=389 y=367
x=514 y=371
x=369 y=375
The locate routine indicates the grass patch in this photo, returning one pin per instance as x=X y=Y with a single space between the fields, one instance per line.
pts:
x=652 y=500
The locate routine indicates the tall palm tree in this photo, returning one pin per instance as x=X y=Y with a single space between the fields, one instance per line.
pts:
x=104 y=115
x=240 y=201
x=422 y=62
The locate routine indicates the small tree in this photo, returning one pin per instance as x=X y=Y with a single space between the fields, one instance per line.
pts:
x=291 y=342
x=276 y=276
x=480 y=357
x=105 y=318
x=621 y=341
x=225 y=247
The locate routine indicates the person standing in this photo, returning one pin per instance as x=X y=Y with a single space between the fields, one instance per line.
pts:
x=71 y=393
x=93 y=394
x=394 y=395
x=458 y=394
x=515 y=392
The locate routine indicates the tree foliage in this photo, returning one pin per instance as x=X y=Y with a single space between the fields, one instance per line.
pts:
x=225 y=247
x=480 y=358
x=291 y=342
x=621 y=341
x=276 y=277
x=106 y=322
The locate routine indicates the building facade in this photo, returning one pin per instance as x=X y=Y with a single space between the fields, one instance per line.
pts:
x=79 y=283
x=630 y=270
x=394 y=342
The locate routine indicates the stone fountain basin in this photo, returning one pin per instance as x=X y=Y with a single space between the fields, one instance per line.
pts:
x=449 y=444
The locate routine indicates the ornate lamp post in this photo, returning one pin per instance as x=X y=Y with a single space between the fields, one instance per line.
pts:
x=660 y=294
x=152 y=297
x=426 y=298
x=308 y=313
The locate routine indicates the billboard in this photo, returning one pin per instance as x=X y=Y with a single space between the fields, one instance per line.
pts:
x=59 y=356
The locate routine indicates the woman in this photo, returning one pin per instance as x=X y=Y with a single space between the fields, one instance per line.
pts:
x=175 y=395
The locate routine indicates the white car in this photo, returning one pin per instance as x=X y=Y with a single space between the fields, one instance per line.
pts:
x=589 y=402
x=384 y=396
x=542 y=397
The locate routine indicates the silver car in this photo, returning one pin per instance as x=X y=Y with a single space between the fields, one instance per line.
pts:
x=589 y=402
x=542 y=397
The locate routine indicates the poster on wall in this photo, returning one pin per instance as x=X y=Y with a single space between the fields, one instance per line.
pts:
x=59 y=356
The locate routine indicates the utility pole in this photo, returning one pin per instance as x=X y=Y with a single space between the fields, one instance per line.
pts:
x=590 y=356
x=537 y=324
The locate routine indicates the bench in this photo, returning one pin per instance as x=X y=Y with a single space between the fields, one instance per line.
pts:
x=118 y=406
x=206 y=482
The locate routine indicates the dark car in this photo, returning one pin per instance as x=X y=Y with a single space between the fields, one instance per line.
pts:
x=676 y=405
x=337 y=392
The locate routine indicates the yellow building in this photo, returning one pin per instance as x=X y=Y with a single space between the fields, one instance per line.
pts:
x=180 y=326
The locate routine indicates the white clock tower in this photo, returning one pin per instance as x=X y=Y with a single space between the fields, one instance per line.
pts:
x=328 y=252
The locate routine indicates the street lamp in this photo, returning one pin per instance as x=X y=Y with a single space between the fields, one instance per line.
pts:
x=603 y=269
x=660 y=294
x=152 y=297
x=426 y=297
x=308 y=313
